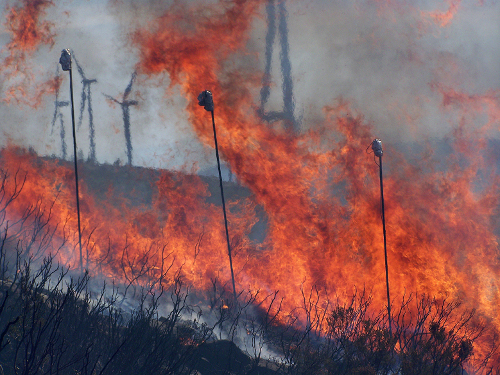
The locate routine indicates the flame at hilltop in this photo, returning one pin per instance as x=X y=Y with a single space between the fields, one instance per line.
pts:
x=318 y=190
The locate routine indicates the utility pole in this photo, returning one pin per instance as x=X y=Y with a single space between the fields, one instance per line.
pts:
x=65 y=62
x=205 y=100
x=377 y=150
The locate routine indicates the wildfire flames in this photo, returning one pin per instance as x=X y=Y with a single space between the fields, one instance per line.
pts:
x=28 y=33
x=319 y=190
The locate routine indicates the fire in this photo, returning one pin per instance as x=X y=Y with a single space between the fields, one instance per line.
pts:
x=28 y=33
x=312 y=234
x=439 y=225
x=443 y=19
x=319 y=191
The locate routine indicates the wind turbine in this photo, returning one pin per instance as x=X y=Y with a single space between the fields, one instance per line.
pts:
x=86 y=94
x=125 y=104
x=57 y=114
x=287 y=114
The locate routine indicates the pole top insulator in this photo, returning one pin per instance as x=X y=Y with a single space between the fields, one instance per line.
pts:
x=206 y=100
x=65 y=59
x=377 y=147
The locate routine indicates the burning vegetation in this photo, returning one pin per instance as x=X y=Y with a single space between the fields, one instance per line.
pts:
x=139 y=324
x=315 y=193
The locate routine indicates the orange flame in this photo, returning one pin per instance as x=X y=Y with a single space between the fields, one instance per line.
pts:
x=28 y=32
x=443 y=19
x=440 y=224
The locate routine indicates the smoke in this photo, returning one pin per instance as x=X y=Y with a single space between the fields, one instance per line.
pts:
x=384 y=57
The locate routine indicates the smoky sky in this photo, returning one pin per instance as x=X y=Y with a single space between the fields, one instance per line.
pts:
x=392 y=60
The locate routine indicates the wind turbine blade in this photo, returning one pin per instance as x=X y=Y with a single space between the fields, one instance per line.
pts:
x=54 y=120
x=56 y=102
x=78 y=67
x=82 y=107
x=57 y=86
x=129 y=87
x=111 y=98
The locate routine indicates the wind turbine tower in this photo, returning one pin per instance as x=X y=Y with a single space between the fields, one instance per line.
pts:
x=58 y=115
x=87 y=95
x=277 y=12
x=125 y=105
